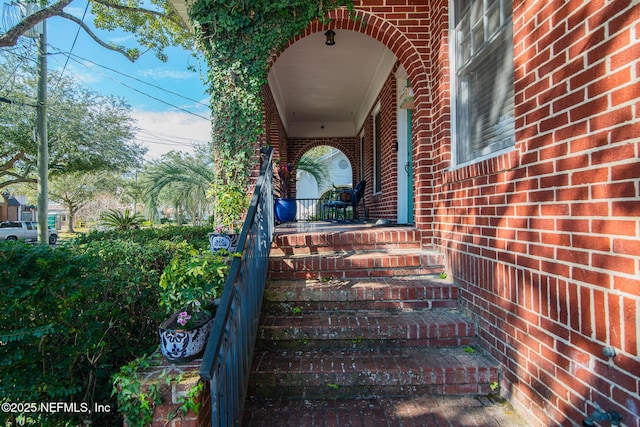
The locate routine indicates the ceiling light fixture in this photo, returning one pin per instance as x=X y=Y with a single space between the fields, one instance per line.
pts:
x=330 y=35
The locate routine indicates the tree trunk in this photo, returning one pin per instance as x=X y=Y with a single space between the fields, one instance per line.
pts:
x=72 y=218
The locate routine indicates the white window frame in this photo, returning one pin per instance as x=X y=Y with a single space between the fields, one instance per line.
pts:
x=481 y=53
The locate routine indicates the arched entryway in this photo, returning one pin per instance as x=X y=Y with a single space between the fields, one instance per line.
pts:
x=319 y=171
x=347 y=94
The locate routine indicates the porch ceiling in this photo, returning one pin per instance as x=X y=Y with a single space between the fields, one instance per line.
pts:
x=327 y=91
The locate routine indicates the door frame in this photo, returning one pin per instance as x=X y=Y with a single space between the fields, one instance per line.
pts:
x=404 y=153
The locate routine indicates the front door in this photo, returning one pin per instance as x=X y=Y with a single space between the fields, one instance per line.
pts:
x=409 y=167
x=405 y=168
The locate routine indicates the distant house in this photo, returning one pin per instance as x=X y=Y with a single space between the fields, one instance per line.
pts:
x=339 y=174
x=14 y=208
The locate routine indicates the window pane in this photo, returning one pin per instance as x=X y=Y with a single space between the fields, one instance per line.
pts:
x=464 y=51
x=478 y=37
x=507 y=9
x=461 y=8
x=493 y=20
x=477 y=11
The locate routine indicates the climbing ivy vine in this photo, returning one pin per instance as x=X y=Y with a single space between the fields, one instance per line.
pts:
x=239 y=37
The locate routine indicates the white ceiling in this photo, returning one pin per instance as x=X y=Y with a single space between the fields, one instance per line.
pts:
x=325 y=91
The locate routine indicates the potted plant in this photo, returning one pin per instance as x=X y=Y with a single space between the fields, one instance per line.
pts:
x=224 y=238
x=183 y=336
x=229 y=211
x=285 y=208
x=191 y=284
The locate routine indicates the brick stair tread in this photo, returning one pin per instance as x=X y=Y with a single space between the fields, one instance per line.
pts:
x=366 y=325
x=363 y=238
x=373 y=288
x=350 y=264
x=281 y=251
x=375 y=372
x=358 y=254
x=411 y=411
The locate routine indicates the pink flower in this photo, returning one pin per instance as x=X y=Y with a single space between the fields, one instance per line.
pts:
x=183 y=317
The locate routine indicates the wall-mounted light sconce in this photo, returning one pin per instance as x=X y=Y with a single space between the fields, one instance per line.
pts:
x=330 y=35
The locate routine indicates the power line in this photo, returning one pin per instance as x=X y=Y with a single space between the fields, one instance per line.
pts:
x=173 y=138
x=141 y=92
x=171 y=144
x=75 y=39
x=73 y=57
x=157 y=138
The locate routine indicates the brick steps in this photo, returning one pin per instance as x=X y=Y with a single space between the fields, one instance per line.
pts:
x=346 y=329
x=366 y=239
x=333 y=374
x=357 y=315
x=409 y=411
x=391 y=293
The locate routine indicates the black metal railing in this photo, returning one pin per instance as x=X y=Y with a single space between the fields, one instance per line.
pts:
x=226 y=363
x=309 y=209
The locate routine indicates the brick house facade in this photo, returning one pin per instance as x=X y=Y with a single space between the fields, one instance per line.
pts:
x=544 y=236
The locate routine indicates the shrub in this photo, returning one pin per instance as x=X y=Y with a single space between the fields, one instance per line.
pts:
x=70 y=317
x=196 y=236
x=120 y=220
x=192 y=275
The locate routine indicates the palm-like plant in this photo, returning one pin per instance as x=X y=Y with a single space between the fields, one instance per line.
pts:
x=182 y=180
x=121 y=221
x=314 y=167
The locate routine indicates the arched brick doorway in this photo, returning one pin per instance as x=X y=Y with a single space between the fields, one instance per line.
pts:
x=409 y=54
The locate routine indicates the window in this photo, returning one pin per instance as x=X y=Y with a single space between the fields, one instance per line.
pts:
x=377 y=154
x=482 y=54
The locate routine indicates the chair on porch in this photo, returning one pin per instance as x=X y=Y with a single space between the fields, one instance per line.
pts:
x=343 y=199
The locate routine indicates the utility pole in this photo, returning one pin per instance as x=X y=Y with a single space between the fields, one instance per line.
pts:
x=43 y=143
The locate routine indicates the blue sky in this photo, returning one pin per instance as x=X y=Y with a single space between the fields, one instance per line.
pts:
x=168 y=100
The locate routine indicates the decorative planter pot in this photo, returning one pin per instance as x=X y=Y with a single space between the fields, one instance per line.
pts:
x=285 y=210
x=182 y=345
x=218 y=241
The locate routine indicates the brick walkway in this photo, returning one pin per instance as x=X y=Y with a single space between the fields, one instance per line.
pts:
x=423 y=411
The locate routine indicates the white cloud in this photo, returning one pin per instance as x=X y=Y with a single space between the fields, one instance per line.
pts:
x=165 y=73
x=162 y=132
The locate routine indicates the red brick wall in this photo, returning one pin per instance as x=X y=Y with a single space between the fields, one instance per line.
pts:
x=545 y=239
x=174 y=384
x=383 y=204
x=275 y=135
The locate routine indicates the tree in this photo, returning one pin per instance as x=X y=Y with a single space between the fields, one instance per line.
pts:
x=75 y=190
x=311 y=162
x=154 y=24
x=182 y=180
x=87 y=132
